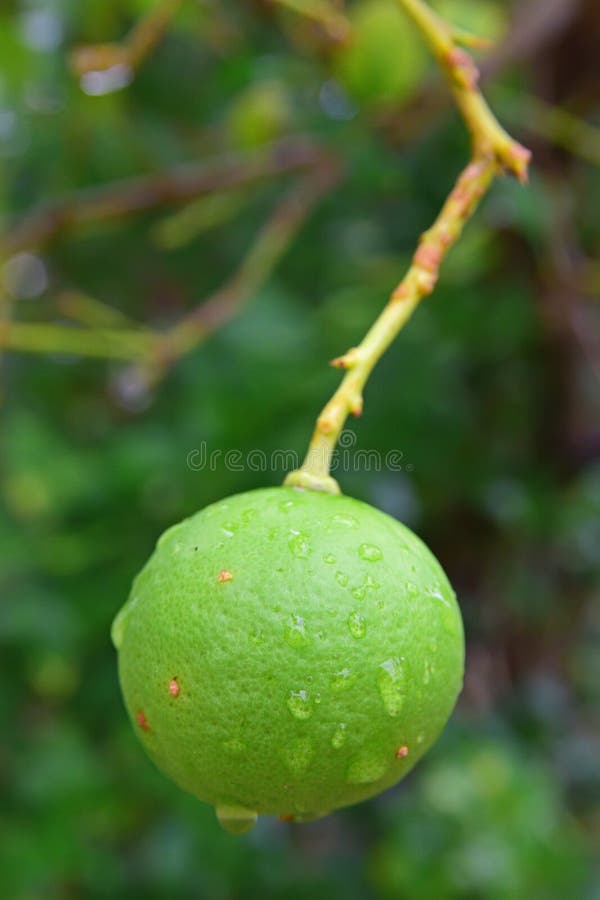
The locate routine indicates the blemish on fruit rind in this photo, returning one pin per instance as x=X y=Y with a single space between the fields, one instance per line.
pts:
x=401 y=752
x=224 y=576
x=142 y=721
x=174 y=687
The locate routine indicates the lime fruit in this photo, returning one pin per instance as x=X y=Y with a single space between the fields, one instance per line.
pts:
x=386 y=60
x=289 y=652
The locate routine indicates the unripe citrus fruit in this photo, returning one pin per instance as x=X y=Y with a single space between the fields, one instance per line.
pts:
x=289 y=652
x=386 y=61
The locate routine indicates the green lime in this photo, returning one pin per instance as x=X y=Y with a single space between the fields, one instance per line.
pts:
x=289 y=652
x=386 y=60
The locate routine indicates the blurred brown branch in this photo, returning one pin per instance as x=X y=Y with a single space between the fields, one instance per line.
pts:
x=171 y=186
x=132 y=51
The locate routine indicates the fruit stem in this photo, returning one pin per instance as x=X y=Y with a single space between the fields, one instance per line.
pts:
x=493 y=152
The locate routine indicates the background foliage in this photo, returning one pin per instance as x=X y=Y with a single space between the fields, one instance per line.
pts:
x=490 y=395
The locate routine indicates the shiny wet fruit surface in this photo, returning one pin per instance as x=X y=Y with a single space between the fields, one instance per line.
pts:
x=288 y=652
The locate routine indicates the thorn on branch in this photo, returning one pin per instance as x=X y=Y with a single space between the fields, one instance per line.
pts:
x=347 y=361
x=462 y=69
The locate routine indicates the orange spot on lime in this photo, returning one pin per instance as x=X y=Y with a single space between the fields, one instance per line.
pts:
x=142 y=720
x=225 y=576
x=401 y=752
x=174 y=687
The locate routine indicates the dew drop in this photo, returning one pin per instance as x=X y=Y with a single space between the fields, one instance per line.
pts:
x=236 y=819
x=342 y=680
x=365 y=769
x=229 y=529
x=339 y=736
x=345 y=521
x=370 y=552
x=342 y=579
x=299 y=704
x=299 y=545
x=285 y=505
x=297 y=756
x=330 y=559
x=411 y=589
x=295 y=632
x=357 y=625
x=369 y=583
x=391 y=684
x=257 y=637
x=358 y=593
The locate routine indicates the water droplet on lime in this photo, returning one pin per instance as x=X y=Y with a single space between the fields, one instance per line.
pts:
x=299 y=704
x=299 y=545
x=339 y=736
x=297 y=755
x=342 y=579
x=295 y=632
x=346 y=521
x=342 y=680
x=370 y=552
x=391 y=682
x=357 y=625
x=365 y=769
x=330 y=559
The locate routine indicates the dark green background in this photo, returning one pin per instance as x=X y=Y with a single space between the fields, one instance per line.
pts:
x=491 y=395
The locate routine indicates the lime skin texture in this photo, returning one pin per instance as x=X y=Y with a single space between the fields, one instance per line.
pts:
x=289 y=652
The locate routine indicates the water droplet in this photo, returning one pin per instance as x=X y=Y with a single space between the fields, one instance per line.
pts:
x=365 y=769
x=342 y=680
x=412 y=589
x=341 y=579
x=339 y=736
x=299 y=704
x=295 y=632
x=229 y=528
x=330 y=559
x=298 y=754
x=235 y=747
x=428 y=669
x=357 y=625
x=236 y=819
x=379 y=603
x=273 y=533
x=286 y=505
x=391 y=684
x=420 y=738
x=248 y=515
x=345 y=521
x=370 y=552
x=369 y=583
x=358 y=593
x=299 y=545
x=437 y=595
